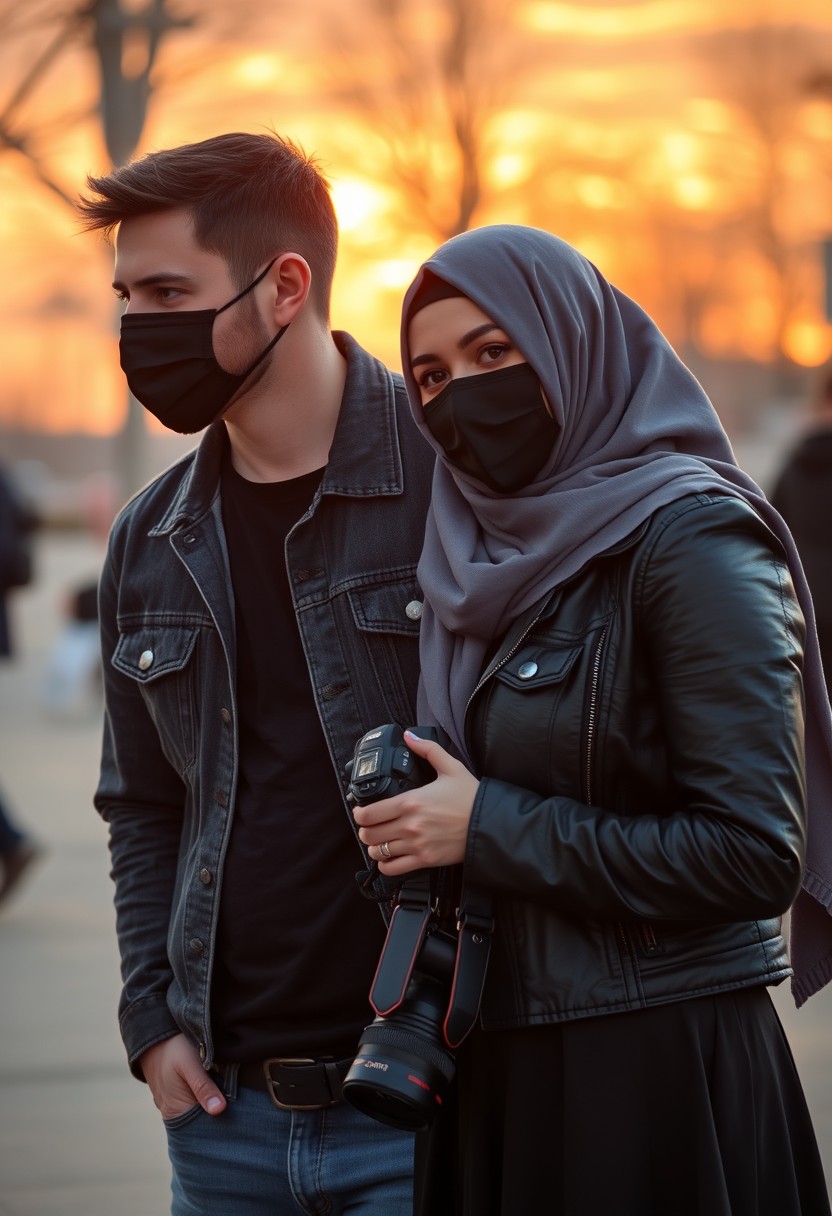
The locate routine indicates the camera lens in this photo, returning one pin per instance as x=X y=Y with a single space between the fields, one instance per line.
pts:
x=403 y=1067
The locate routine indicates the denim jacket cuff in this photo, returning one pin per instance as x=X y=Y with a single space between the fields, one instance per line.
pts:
x=145 y=1022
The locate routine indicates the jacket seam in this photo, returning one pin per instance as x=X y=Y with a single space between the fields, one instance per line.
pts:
x=766 y=980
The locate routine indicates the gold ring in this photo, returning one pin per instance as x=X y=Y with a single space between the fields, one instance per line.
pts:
x=384 y=849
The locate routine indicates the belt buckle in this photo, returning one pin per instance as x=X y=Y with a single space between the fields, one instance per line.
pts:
x=272 y=1083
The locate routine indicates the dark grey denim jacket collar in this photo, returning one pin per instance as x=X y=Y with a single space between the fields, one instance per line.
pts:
x=356 y=468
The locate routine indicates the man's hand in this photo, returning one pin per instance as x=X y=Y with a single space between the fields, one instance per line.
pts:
x=177 y=1079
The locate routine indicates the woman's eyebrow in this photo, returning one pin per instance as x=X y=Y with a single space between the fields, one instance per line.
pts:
x=464 y=341
x=478 y=332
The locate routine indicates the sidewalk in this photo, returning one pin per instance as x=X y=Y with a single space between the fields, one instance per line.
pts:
x=78 y=1136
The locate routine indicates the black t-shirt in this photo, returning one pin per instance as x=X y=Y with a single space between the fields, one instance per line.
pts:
x=297 y=944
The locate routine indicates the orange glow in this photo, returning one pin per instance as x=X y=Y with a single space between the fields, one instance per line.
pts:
x=254 y=71
x=357 y=202
x=808 y=342
x=699 y=182
x=600 y=193
x=625 y=22
x=629 y=21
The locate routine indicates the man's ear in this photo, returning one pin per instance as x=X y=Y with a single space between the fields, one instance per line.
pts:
x=291 y=280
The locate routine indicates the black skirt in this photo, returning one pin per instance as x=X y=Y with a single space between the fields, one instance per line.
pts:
x=687 y=1109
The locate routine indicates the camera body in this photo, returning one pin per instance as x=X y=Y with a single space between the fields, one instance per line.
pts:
x=428 y=983
x=383 y=764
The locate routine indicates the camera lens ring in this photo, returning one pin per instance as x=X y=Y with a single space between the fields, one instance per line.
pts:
x=388 y=1034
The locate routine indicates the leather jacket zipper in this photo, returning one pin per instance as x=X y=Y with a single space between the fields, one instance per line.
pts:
x=593 y=713
x=623 y=940
x=490 y=671
x=648 y=937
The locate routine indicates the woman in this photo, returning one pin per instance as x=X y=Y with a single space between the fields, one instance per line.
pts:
x=618 y=640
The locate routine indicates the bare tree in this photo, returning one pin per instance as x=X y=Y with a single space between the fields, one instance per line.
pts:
x=423 y=79
x=50 y=29
x=763 y=72
x=124 y=40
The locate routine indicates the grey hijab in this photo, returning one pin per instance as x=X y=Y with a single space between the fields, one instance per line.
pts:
x=637 y=431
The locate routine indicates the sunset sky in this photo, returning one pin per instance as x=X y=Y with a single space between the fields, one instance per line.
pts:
x=683 y=145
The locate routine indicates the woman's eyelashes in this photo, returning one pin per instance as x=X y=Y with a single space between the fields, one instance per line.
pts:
x=432 y=378
x=493 y=352
x=487 y=356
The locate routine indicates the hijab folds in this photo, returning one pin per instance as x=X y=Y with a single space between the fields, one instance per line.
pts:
x=637 y=431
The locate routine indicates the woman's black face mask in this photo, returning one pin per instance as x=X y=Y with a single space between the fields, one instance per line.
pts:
x=171 y=368
x=494 y=426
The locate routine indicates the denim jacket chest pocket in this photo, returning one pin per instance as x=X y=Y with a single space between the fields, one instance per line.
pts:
x=387 y=618
x=159 y=658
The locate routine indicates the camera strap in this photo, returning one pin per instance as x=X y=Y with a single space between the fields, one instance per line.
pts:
x=474 y=929
x=408 y=925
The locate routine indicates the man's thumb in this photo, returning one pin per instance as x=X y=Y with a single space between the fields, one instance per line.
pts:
x=207 y=1094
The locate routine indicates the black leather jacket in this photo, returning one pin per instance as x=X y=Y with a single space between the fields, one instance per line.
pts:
x=641 y=818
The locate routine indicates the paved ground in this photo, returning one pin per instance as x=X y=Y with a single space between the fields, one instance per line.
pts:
x=79 y=1137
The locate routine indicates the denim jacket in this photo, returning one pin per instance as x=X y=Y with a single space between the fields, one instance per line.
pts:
x=169 y=765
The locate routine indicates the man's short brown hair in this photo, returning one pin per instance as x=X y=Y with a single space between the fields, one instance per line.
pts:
x=251 y=198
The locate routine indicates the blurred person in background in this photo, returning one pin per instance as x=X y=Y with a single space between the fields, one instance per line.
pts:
x=17 y=524
x=259 y=612
x=617 y=637
x=803 y=496
x=72 y=680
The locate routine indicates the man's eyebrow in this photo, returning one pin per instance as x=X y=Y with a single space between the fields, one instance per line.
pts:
x=464 y=341
x=153 y=280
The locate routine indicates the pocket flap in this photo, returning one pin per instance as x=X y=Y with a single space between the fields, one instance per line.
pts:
x=387 y=608
x=145 y=654
x=537 y=666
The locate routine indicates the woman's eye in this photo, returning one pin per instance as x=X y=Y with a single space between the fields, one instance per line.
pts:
x=492 y=352
x=432 y=378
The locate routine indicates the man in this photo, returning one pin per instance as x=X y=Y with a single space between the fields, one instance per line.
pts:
x=259 y=613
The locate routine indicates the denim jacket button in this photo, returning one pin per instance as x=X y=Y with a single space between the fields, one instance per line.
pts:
x=225 y=714
x=414 y=610
x=206 y=877
x=196 y=946
x=145 y=659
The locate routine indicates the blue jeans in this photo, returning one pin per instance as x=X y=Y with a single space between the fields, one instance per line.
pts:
x=257 y=1160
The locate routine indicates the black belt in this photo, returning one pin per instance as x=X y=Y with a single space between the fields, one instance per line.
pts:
x=295 y=1083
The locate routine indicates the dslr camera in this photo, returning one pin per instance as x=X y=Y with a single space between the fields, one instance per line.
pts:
x=427 y=987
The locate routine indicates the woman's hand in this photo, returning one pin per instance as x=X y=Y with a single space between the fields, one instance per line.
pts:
x=427 y=826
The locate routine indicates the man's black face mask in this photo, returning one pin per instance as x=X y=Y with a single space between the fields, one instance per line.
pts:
x=171 y=368
x=494 y=426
